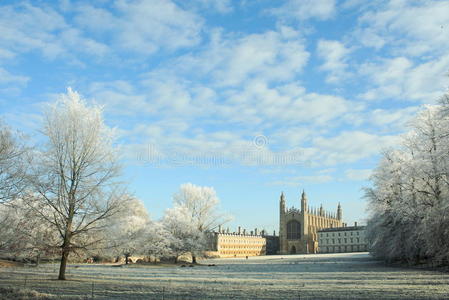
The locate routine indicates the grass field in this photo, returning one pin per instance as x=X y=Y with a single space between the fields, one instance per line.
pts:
x=330 y=276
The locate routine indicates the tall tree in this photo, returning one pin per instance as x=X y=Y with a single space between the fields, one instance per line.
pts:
x=12 y=164
x=23 y=234
x=157 y=240
x=409 y=199
x=127 y=230
x=202 y=205
x=75 y=177
x=184 y=235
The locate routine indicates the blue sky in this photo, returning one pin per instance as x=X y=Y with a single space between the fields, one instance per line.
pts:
x=250 y=97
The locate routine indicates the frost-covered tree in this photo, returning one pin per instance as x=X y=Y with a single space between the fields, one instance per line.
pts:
x=13 y=172
x=157 y=241
x=12 y=164
x=75 y=175
x=24 y=235
x=184 y=236
x=409 y=199
x=126 y=232
x=9 y=222
x=201 y=204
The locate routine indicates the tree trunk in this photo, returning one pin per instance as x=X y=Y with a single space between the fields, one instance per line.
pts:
x=62 y=267
x=38 y=258
x=193 y=259
x=65 y=249
x=126 y=259
x=176 y=259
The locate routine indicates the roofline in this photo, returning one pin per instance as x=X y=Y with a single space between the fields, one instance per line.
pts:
x=347 y=228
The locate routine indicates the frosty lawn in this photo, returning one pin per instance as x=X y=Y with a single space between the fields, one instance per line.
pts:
x=330 y=276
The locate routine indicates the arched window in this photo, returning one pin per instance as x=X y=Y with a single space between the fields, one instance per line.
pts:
x=293 y=230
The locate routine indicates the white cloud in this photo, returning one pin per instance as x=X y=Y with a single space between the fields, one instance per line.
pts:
x=410 y=27
x=237 y=77
x=179 y=137
x=411 y=40
x=96 y=20
x=335 y=55
x=211 y=149
x=156 y=95
x=286 y=104
x=118 y=97
x=149 y=25
x=293 y=136
x=301 y=180
x=138 y=26
x=6 y=54
x=8 y=78
x=288 y=116
x=281 y=113
x=220 y=6
x=350 y=146
x=393 y=118
x=143 y=26
x=25 y=28
x=306 y=9
x=229 y=61
x=401 y=79
x=358 y=174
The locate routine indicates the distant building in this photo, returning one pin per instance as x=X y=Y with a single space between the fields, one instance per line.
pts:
x=298 y=228
x=342 y=239
x=272 y=244
x=236 y=244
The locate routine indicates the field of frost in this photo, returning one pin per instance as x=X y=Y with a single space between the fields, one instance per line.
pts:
x=331 y=276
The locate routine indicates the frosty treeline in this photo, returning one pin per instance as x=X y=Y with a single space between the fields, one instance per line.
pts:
x=64 y=197
x=409 y=198
x=182 y=230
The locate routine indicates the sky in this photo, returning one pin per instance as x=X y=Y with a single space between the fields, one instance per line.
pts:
x=250 y=97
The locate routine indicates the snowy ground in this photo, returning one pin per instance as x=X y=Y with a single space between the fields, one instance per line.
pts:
x=330 y=276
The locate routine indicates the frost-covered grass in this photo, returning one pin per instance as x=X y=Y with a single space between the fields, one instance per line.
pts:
x=331 y=276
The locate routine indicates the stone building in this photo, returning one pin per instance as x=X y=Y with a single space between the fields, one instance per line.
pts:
x=298 y=228
x=236 y=244
x=272 y=244
x=342 y=239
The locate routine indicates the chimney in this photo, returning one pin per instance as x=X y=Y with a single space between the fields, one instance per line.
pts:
x=244 y=231
x=219 y=228
x=239 y=230
x=274 y=232
x=251 y=232
x=255 y=231
x=355 y=224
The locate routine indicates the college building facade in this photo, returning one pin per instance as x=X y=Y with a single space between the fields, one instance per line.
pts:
x=298 y=228
x=242 y=243
x=301 y=231
x=342 y=239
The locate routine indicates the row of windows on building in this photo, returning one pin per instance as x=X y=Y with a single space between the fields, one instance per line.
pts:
x=243 y=242
x=235 y=253
x=339 y=241
x=341 y=233
x=242 y=247
x=329 y=249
